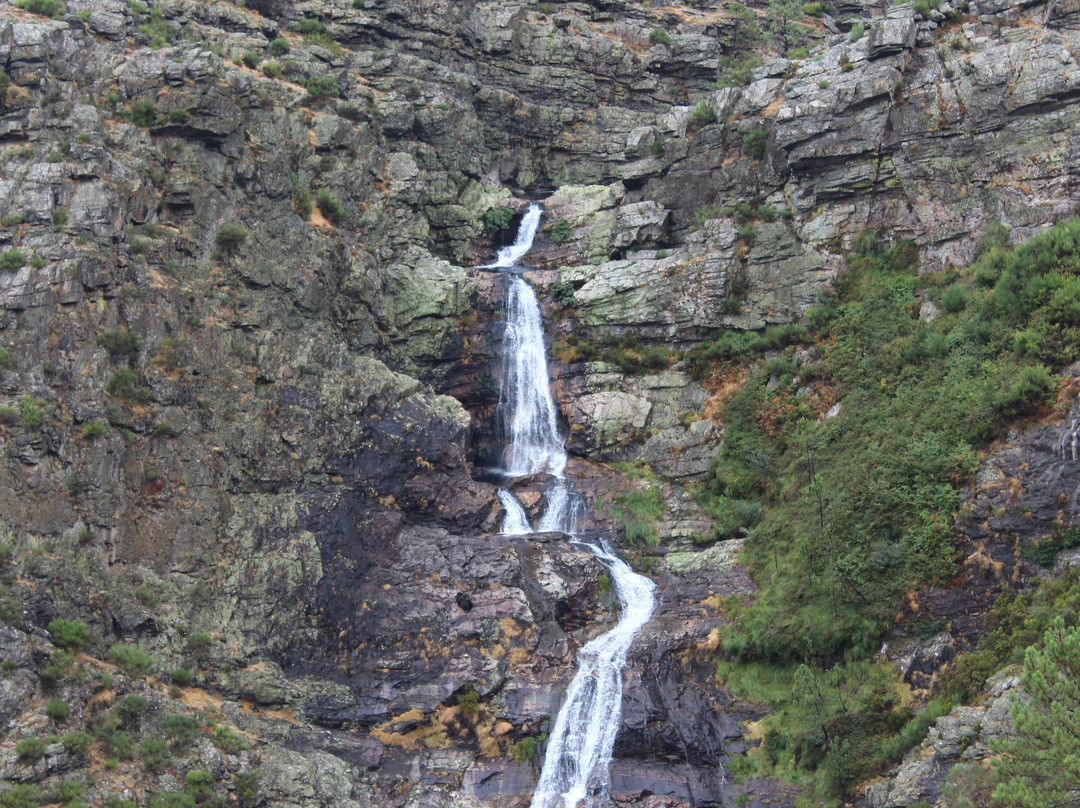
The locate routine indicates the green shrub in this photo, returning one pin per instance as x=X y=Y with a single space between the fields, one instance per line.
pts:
x=815 y=8
x=143 y=112
x=198 y=645
x=180 y=729
x=230 y=237
x=30 y=414
x=658 y=36
x=70 y=794
x=182 y=677
x=1027 y=393
x=638 y=511
x=954 y=298
x=147 y=595
x=279 y=47
x=563 y=292
x=94 y=430
x=754 y=143
x=179 y=115
x=302 y=204
x=497 y=219
x=330 y=206
x=12 y=260
x=59 y=219
x=21 y=796
x=560 y=231
x=134 y=661
x=11 y=220
x=6 y=362
x=823 y=84
x=86 y=535
x=309 y=26
x=57 y=667
x=124 y=385
x=70 y=634
x=322 y=87
x=122 y=745
x=858 y=31
x=250 y=59
x=229 y=740
x=78 y=742
x=468 y=700
x=30 y=750
x=701 y=115
x=154 y=753
x=738 y=73
x=58 y=710
x=46 y=8
x=272 y=70
x=246 y=785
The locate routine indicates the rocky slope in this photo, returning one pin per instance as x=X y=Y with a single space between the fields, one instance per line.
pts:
x=266 y=422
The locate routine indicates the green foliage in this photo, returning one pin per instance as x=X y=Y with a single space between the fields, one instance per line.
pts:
x=525 y=749
x=229 y=740
x=321 y=87
x=738 y=72
x=154 y=753
x=182 y=677
x=858 y=31
x=272 y=70
x=30 y=413
x=12 y=220
x=754 y=143
x=57 y=667
x=857 y=509
x=279 y=47
x=159 y=31
x=639 y=511
x=30 y=750
x=70 y=634
x=563 y=292
x=58 y=710
x=70 y=794
x=12 y=260
x=230 y=237
x=823 y=84
x=59 y=219
x=21 y=796
x=122 y=745
x=330 y=206
x=147 y=595
x=744 y=28
x=468 y=700
x=632 y=357
x=143 y=112
x=658 y=36
x=250 y=59
x=134 y=704
x=247 y=786
x=46 y=8
x=94 y=430
x=180 y=729
x=78 y=742
x=1039 y=767
x=179 y=115
x=701 y=115
x=954 y=298
x=785 y=28
x=311 y=25
x=1044 y=551
x=814 y=9
x=830 y=728
x=560 y=231
x=124 y=385
x=134 y=661
x=198 y=645
x=497 y=219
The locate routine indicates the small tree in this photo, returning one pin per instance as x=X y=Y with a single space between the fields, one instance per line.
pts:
x=745 y=31
x=784 y=26
x=1040 y=768
x=230 y=238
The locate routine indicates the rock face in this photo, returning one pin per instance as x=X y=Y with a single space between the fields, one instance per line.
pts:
x=245 y=374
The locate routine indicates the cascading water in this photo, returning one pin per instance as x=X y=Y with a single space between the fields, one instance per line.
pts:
x=575 y=771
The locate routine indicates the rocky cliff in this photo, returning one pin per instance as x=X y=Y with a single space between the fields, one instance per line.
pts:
x=246 y=378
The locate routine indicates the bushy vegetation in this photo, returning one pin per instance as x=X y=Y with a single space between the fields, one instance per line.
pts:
x=701 y=115
x=46 y=8
x=70 y=634
x=638 y=511
x=134 y=661
x=12 y=260
x=321 y=87
x=143 y=112
x=330 y=206
x=230 y=237
x=497 y=219
x=754 y=143
x=658 y=36
x=560 y=231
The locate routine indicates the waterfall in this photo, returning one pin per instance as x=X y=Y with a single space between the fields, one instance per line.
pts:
x=583 y=736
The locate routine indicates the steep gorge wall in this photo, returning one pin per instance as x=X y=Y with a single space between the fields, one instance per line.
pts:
x=266 y=470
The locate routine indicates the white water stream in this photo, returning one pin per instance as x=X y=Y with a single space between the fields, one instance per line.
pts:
x=575 y=772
